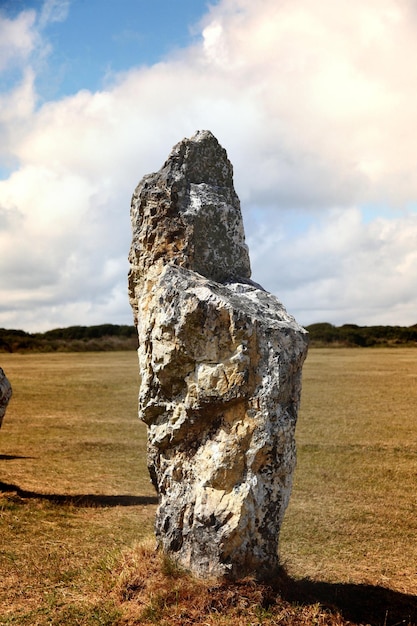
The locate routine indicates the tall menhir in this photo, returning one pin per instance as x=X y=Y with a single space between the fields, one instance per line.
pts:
x=220 y=362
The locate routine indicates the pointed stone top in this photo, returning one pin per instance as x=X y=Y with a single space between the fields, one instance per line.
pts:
x=188 y=214
x=201 y=159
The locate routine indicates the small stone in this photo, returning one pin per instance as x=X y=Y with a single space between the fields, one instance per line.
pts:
x=220 y=361
x=5 y=394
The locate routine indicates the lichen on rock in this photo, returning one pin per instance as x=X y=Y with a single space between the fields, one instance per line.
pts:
x=220 y=361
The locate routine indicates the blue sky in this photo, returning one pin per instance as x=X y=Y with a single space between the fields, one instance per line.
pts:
x=314 y=102
x=100 y=38
x=91 y=40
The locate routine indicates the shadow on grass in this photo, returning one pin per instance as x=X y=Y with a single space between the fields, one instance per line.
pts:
x=80 y=500
x=11 y=457
x=358 y=603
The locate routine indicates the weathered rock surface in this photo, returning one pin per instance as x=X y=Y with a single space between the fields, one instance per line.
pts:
x=220 y=362
x=5 y=394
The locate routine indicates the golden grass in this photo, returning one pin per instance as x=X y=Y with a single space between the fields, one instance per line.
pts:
x=73 y=416
x=75 y=500
x=352 y=517
x=74 y=485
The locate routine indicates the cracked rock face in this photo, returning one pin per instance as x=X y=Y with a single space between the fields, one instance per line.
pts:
x=5 y=394
x=220 y=362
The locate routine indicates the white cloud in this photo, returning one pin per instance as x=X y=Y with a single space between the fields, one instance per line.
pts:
x=315 y=104
x=18 y=39
x=343 y=269
x=53 y=11
x=334 y=88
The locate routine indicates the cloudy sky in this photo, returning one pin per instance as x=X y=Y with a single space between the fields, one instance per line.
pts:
x=315 y=103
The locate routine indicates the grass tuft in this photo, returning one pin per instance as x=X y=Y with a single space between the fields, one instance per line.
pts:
x=152 y=593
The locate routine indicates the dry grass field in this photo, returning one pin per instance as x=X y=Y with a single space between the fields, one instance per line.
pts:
x=76 y=502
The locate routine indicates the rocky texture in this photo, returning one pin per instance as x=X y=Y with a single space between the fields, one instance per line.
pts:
x=5 y=394
x=220 y=362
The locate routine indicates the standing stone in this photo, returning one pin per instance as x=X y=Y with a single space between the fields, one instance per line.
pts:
x=220 y=362
x=5 y=394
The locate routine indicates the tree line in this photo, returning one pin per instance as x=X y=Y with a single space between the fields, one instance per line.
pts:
x=325 y=334
x=103 y=337
x=106 y=337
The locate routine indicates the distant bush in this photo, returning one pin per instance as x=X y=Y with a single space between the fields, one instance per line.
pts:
x=103 y=337
x=322 y=334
